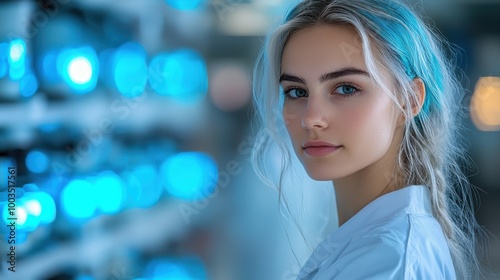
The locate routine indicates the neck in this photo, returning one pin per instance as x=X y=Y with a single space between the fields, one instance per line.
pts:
x=357 y=190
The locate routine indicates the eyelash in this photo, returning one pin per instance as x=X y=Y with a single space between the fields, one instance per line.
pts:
x=286 y=92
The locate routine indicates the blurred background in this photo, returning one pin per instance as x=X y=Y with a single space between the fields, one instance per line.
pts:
x=128 y=124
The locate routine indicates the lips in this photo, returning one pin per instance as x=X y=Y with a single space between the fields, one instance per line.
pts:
x=318 y=144
x=319 y=148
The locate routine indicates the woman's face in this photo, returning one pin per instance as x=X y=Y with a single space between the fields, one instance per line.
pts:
x=339 y=120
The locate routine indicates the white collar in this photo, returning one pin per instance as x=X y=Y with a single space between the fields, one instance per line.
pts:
x=412 y=199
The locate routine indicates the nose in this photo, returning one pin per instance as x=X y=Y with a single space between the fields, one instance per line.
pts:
x=315 y=115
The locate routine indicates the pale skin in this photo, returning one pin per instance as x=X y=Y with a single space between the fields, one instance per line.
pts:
x=347 y=109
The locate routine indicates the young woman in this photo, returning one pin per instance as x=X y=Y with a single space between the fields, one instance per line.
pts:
x=362 y=92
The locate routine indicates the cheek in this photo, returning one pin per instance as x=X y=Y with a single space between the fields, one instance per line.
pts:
x=293 y=123
x=291 y=116
x=372 y=124
x=350 y=122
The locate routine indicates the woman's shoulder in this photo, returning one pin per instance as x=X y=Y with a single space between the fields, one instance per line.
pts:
x=410 y=246
x=396 y=234
x=406 y=232
x=397 y=237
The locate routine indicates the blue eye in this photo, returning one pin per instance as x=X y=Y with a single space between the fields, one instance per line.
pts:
x=346 y=90
x=294 y=93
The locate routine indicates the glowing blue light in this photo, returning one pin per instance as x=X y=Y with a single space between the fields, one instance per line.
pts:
x=184 y=5
x=109 y=194
x=78 y=199
x=19 y=213
x=17 y=59
x=21 y=226
x=29 y=211
x=17 y=50
x=106 y=73
x=79 y=68
x=167 y=270
x=21 y=237
x=143 y=189
x=41 y=205
x=48 y=67
x=190 y=175
x=4 y=67
x=31 y=187
x=28 y=85
x=85 y=277
x=22 y=218
x=37 y=161
x=4 y=212
x=49 y=127
x=181 y=74
x=130 y=70
x=179 y=269
x=34 y=207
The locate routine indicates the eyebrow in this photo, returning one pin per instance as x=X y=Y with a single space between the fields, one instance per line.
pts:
x=326 y=77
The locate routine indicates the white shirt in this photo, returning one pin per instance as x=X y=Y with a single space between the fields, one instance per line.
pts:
x=393 y=237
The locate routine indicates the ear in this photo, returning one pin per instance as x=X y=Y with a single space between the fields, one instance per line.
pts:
x=419 y=87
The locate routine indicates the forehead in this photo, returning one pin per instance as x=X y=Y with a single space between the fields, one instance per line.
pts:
x=322 y=48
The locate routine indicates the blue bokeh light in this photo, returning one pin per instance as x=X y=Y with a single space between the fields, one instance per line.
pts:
x=106 y=70
x=17 y=59
x=4 y=54
x=17 y=50
x=185 y=268
x=79 y=68
x=48 y=67
x=33 y=206
x=46 y=213
x=167 y=270
x=37 y=161
x=28 y=85
x=130 y=70
x=31 y=210
x=143 y=189
x=181 y=74
x=109 y=192
x=78 y=199
x=184 y=5
x=21 y=215
x=189 y=175
x=84 y=277
x=6 y=213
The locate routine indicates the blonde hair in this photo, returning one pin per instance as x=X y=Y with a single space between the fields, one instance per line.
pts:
x=430 y=154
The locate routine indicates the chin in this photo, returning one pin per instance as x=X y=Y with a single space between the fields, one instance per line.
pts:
x=324 y=170
x=320 y=175
x=321 y=178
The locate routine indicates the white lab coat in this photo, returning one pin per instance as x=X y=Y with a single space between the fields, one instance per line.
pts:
x=394 y=237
